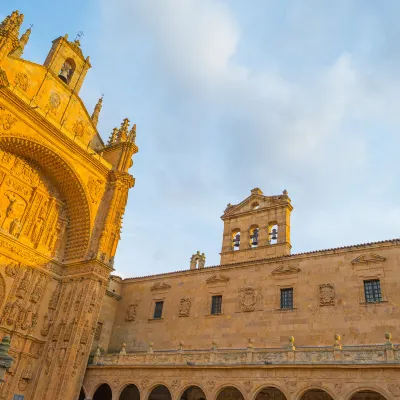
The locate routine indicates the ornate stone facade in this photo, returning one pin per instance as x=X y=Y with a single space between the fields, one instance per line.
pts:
x=61 y=188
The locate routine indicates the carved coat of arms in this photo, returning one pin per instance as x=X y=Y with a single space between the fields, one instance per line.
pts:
x=248 y=298
x=184 y=308
x=326 y=294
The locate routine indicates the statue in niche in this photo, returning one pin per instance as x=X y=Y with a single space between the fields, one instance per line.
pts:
x=15 y=311
x=38 y=290
x=12 y=269
x=47 y=322
x=11 y=206
x=24 y=285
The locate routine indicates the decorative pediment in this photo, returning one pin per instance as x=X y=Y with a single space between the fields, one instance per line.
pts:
x=286 y=269
x=218 y=279
x=160 y=286
x=368 y=259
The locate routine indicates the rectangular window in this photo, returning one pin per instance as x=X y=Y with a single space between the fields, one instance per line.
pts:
x=372 y=290
x=216 y=305
x=158 y=309
x=287 y=298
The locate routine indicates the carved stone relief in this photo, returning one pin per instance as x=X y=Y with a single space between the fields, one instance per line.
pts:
x=31 y=209
x=184 y=307
x=248 y=298
x=286 y=269
x=78 y=128
x=7 y=120
x=131 y=312
x=326 y=294
x=95 y=189
x=21 y=80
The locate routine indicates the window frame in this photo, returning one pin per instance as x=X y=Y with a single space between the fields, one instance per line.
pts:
x=155 y=309
x=373 y=294
x=215 y=296
x=289 y=290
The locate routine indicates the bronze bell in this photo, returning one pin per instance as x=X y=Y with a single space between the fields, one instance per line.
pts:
x=254 y=238
x=236 y=241
x=274 y=234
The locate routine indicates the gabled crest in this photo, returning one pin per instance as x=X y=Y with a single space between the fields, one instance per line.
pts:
x=160 y=286
x=217 y=279
x=368 y=259
x=286 y=269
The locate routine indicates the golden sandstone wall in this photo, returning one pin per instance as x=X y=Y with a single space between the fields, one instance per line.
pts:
x=62 y=196
x=328 y=299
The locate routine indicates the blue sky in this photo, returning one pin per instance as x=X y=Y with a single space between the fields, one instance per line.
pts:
x=232 y=95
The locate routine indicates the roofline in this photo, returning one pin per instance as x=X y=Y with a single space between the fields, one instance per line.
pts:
x=335 y=250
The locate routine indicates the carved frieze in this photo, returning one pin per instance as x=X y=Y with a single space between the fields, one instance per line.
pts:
x=368 y=259
x=7 y=120
x=184 y=307
x=326 y=294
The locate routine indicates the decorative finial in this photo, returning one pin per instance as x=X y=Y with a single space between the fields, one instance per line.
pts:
x=285 y=192
x=388 y=337
x=123 y=349
x=25 y=37
x=150 y=349
x=96 y=111
x=214 y=345
x=132 y=134
x=291 y=341
x=250 y=344
x=78 y=37
x=181 y=345
x=113 y=137
x=337 y=345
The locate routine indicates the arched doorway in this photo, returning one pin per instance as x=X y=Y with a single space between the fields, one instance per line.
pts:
x=160 y=392
x=230 y=393
x=103 y=392
x=193 y=393
x=270 y=393
x=367 y=395
x=130 y=392
x=82 y=395
x=316 y=394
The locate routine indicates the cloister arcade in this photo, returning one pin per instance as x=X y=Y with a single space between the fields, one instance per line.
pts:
x=194 y=392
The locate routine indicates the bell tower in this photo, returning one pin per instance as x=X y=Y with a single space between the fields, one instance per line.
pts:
x=66 y=61
x=258 y=227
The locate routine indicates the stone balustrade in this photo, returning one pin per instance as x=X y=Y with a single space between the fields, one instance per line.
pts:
x=386 y=353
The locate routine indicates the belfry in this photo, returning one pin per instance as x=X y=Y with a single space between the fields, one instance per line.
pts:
x=264 y=324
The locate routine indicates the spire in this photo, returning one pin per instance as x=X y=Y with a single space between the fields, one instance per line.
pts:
x=113 y=137
x=12 y=23
x=132 y=134
x=96 y=111
x=123 y=131
x=24 y=38
x=22 y=43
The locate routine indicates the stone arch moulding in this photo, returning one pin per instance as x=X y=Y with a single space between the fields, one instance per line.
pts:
x=228 y=386
x=259 y=388
x=153 y=386
x=94 y=389
x=379 y=390
x=69 y=184
x=305 y=389
x=126 y=384
x=189 y=385
x=2 y=290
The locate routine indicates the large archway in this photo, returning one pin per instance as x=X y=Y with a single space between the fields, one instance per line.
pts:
x=69 y=185
x=367 y=395
x=230 y=393
x=316 y=394
x=270 y=393
x=130 y=392
x=193 y=393
x=160 y=392
x=103 y=392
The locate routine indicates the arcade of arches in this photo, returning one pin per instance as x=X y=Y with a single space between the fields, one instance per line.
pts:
x=161 y=392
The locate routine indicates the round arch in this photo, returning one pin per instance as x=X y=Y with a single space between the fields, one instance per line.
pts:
x=130 y=391
x=275 y=392
x=192 y=392
x=229 y=392
x=315 y=393
x=367 y=393
x=159 y=391
x=69 y=185
x=103 y=392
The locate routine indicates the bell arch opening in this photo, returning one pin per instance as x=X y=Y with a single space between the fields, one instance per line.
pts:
x=69 y=186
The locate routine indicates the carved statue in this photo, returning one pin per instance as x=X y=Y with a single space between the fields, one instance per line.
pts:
x=11 y=205
x=24 y=285
x=12 y=269
x=15 y=312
